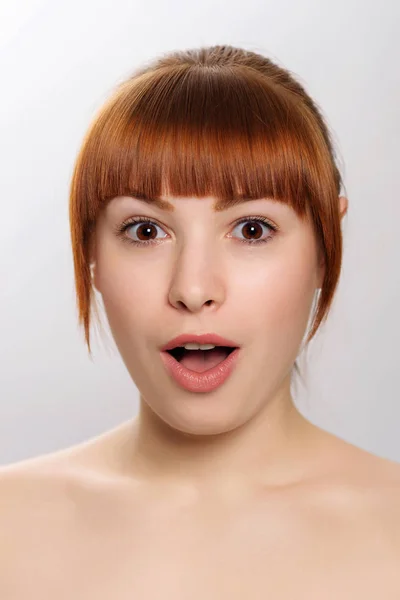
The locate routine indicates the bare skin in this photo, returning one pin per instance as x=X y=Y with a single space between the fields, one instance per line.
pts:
x=79 y=524
x=227 y=495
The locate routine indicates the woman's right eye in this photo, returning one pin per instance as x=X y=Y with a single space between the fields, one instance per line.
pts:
x=143 y=230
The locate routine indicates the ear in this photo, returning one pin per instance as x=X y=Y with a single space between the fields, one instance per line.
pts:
x=343 y=206
x=93 y=274
x=92 y=260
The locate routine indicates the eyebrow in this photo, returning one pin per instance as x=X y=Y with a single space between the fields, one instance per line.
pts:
x=167 y=206
x=162 y=204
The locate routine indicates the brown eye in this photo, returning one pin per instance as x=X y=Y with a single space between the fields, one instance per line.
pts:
x=141 y=232
x=252 y=229
x=145 y=232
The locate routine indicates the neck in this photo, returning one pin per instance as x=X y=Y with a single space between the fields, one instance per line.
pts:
x=271 y=448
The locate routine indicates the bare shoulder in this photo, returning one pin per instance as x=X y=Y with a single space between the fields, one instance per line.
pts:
x=27 y=489
x=27 y=481
x=50 y=490
x=46 y=485
x=364 y=487
x=38 y=503
x=54 y=483
x=41 y=524
x=364 y=467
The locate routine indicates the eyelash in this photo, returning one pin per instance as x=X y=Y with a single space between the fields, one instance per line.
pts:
x=120 y=230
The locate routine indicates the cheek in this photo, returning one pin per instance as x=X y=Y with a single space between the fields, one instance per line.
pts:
x=277 y=294
x=129 y=305
x=130 y=291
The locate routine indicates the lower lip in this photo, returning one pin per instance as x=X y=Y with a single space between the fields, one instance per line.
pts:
x=200 y=382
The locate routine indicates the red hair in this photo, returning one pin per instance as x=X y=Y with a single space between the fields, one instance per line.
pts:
x=220 y=121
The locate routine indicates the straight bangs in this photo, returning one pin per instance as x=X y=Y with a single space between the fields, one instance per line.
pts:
x=189 y=130
x=184 y=132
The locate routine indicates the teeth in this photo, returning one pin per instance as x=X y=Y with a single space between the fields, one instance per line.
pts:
x=193 y=346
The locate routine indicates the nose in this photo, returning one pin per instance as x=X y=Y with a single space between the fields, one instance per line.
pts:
x=197 y=281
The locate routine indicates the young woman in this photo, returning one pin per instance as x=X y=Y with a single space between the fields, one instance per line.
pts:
x=206 y=209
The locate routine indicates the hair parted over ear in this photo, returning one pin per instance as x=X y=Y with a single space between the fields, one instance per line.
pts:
x=217 y=120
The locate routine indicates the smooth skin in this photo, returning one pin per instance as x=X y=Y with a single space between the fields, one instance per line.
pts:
x=228 y=495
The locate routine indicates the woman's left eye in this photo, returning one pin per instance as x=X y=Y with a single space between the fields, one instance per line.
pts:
x=253 y=227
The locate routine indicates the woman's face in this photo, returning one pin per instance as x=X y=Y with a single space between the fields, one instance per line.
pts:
x=203 y=276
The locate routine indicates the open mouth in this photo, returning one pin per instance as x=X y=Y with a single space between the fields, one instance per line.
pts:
x=200 y=370
x=200 y=360
x=220 y=352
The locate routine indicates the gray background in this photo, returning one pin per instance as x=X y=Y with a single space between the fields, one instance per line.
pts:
x=58 y=63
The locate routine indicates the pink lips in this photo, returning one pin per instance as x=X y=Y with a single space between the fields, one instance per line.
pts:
x=199 y=382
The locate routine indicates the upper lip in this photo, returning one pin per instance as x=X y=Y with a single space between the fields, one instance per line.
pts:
x=204 y=338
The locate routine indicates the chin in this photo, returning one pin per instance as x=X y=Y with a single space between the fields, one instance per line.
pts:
x=201 y=418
